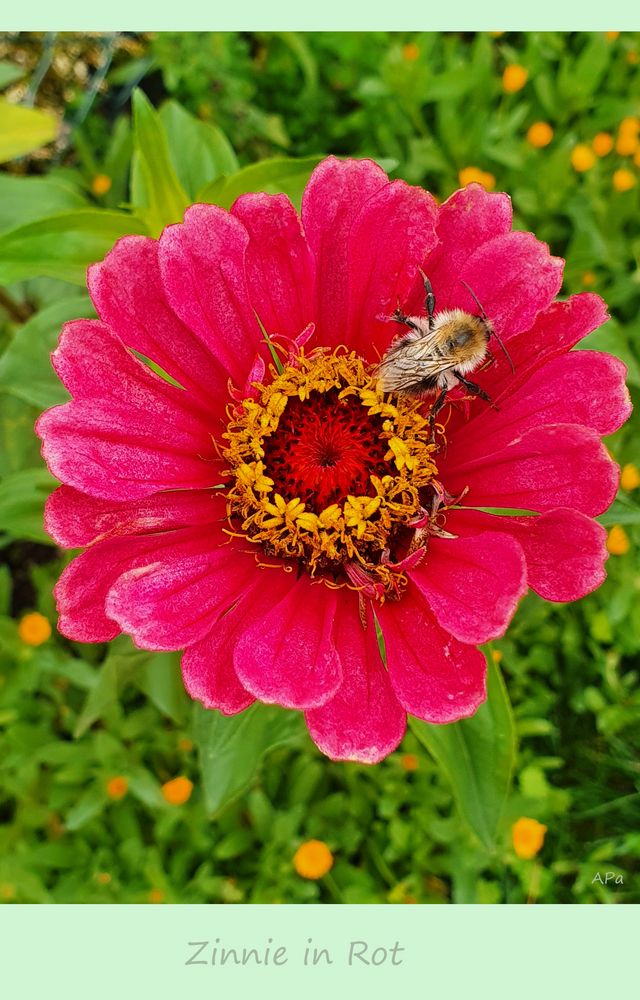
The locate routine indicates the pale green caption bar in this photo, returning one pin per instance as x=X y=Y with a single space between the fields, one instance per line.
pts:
x=317 y=951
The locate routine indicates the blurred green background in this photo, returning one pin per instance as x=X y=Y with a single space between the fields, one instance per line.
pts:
x=92 y=737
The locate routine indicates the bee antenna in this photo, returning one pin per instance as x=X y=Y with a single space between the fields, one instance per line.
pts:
x=486 y=319
x=504 y=351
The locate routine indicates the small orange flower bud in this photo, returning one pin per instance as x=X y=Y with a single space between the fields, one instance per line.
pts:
x=582 y=158
x=101 y=184
x=496 y=655
x=117 y=787
x=410 y=762
x=514 y=78
x=602 y=143
x=632 y=57
x=313 y=859
x=528 y=837
x=34 y=629
x=612 y=35
x=157 y=896
x=623 y=180
x=539 y=135
x=589 y=279
x=103 y=878
x=630 y=478
x=410 y=52
x=177 y=791
x=471 y=175
x=627 y=143
x=185 y=745
x=7 y=892
x=618 y=541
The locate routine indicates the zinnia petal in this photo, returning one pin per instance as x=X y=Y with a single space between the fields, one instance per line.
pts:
x=469 y=218
x=127 y=432
x=289 y=656
x=583 y=387
x=202 y=262
x=557 y=466
x=435 y=677
x=174 y=596
x=334 y=197
x=472 y=585
x=514 y=277
x=127 y=291
x=74 y=519
x=280 y=266
x=565 y=551
x=364 y=720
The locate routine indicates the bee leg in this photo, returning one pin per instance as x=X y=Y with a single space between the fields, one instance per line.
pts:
x=435 y=409
x=429 y=300
x=399 y=317
x=473 y=389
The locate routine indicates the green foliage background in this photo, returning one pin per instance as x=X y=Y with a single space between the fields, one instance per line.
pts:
x=226 y=113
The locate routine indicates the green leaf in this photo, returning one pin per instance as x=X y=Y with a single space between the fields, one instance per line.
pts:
x=64 y=245
x=278 y=175
x=477 y=755
x=23 y=129
x=159 y=678
x=22 y=498
x=9 y=73
x=122 y=662
x=25 y=367
x=19 y=447
x=617 y=340
x=86 y=808
x=232 y=747
x=23 y=199
x=156 y=191
x=200 y=152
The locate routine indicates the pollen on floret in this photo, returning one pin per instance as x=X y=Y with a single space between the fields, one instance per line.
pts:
x=474 y=175
x=34 y=629
x=528 y=837
x=618 y=541
x=117 y=787
x=630 y=477
x=539 y=135
x=623 y=180
x=582 y=158
x=602 y=143
x=514 y=78
x=313 y=859
x=101 y=184
x=177 y=791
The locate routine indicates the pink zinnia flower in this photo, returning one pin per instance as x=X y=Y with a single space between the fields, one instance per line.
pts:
x=260 y=519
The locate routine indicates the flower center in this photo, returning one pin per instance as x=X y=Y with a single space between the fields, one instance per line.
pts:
x=330 y=474
x=324 y=449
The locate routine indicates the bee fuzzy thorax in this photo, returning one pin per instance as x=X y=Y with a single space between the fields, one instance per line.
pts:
x=434 y=352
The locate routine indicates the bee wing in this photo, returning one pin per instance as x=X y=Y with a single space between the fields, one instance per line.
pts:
x=420 y=354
